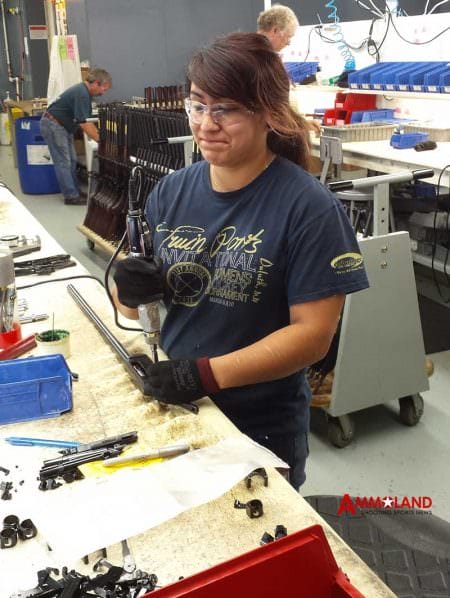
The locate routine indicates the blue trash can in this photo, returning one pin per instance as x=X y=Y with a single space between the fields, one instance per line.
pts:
x=36 y=169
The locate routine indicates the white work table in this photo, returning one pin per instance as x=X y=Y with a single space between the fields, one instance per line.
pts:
x=381 y=156
x=106 y=403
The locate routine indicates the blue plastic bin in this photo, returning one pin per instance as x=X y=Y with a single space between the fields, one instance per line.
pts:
x=364 y=116
x=389 y=77
x=402 y=78
x=416 y=78
x=407 y=140
x=431 y=80
x=377 y=79
x=298 y=71
x=444 y=82
x=34 y=388
x=362 y=79
x=36 y=170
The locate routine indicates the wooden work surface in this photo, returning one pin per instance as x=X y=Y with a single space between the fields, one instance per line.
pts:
x=106 y=403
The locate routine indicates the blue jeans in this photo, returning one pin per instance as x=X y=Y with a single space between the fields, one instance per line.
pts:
x=292 y=448
x=62 y=150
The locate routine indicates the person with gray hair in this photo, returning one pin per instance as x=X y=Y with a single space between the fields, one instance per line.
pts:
x=278 y=24
x=64 y=115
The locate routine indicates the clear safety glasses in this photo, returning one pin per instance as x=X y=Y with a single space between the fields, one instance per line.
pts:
x=224 y=113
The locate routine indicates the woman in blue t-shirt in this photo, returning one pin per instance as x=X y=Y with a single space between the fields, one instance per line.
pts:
x=252 y=254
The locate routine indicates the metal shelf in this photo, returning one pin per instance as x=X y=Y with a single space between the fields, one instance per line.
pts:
x=425 y=260
x=379 y=92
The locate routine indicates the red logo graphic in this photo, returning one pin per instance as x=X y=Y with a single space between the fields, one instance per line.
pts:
x=350 y=505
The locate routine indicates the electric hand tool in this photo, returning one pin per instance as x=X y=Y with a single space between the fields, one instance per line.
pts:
x=140 y=242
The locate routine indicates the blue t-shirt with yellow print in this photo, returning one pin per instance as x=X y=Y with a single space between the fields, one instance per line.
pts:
x=234 y=262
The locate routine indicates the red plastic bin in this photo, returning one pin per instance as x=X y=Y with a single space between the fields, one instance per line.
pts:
x=300 y=565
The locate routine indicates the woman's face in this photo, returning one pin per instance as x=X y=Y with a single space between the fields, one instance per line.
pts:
x=227 y=133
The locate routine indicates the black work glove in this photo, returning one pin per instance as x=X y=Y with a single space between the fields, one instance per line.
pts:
x=139 y=281
x=180 y=380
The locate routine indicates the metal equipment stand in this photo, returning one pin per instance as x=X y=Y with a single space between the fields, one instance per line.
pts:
x=380 y=355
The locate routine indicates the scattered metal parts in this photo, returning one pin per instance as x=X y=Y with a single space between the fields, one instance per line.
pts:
x=4 y=470
x=49 y=484
x=32 y=318
x=253 y=508
x=27 y=530
x=11 y=521
x=72 y=584
x=101 y=563
x=266 y=539
x=260 y=471
x=280 y=532
x=8 y=537
x=20 y=245
x=67 y=466
x=5 y=490
x=12 y=529
x=45 y=265
x=129 y=564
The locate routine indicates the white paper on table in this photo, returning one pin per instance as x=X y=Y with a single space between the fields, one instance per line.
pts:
x=82 y=517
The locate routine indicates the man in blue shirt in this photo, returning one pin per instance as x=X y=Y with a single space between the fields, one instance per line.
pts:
x=64 y=115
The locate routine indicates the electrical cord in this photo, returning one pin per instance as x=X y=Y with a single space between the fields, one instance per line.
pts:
x=107 y=289
x=417 y=43
x=376 y=12
x=308 y=48
x=328 y=40
x=5 y=186
x=367 y=41
x=36 y=284
x=437 y=6
x=104 y=285
x=371 y=43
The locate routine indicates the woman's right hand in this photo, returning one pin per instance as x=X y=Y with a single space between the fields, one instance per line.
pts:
x=139 y=281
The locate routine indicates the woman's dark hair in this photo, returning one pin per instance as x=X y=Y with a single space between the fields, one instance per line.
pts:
x=245 y=68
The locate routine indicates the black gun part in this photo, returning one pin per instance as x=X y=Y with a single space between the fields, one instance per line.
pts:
x=112 y=441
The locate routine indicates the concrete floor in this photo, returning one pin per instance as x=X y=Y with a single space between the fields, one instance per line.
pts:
x=386 y=458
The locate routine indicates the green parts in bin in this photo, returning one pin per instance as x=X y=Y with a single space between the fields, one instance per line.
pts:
x=36 y=169
x=34 y=388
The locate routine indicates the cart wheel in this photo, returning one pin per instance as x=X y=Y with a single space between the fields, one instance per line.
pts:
x=341 y=430
x=90 y=244
x=411 y=409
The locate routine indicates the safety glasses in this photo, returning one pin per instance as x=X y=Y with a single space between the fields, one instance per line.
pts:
x=223 y=114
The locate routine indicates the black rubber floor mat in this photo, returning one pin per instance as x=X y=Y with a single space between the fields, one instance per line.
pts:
x=409 y=552
x=435 y=320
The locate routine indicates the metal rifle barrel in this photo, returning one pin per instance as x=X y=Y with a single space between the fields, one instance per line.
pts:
x=116 y=345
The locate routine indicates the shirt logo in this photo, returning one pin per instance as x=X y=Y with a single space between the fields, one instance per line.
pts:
x=347 y=262
x=189 y=282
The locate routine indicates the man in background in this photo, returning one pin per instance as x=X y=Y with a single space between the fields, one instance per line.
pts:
x=279 y=25
x=64 y=115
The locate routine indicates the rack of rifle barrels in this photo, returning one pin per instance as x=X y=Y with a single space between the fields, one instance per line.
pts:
x=130 y=136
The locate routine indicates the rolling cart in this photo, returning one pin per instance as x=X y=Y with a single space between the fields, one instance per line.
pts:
x=379 y=352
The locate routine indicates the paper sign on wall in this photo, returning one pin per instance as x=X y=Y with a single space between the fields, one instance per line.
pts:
x=38 y=31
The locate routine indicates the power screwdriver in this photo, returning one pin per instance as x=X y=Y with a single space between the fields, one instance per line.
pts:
x=141 y=246
x=140 y=242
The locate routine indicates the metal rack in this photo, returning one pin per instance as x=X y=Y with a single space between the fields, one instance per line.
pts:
x=156 y=139
x=380 y=354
